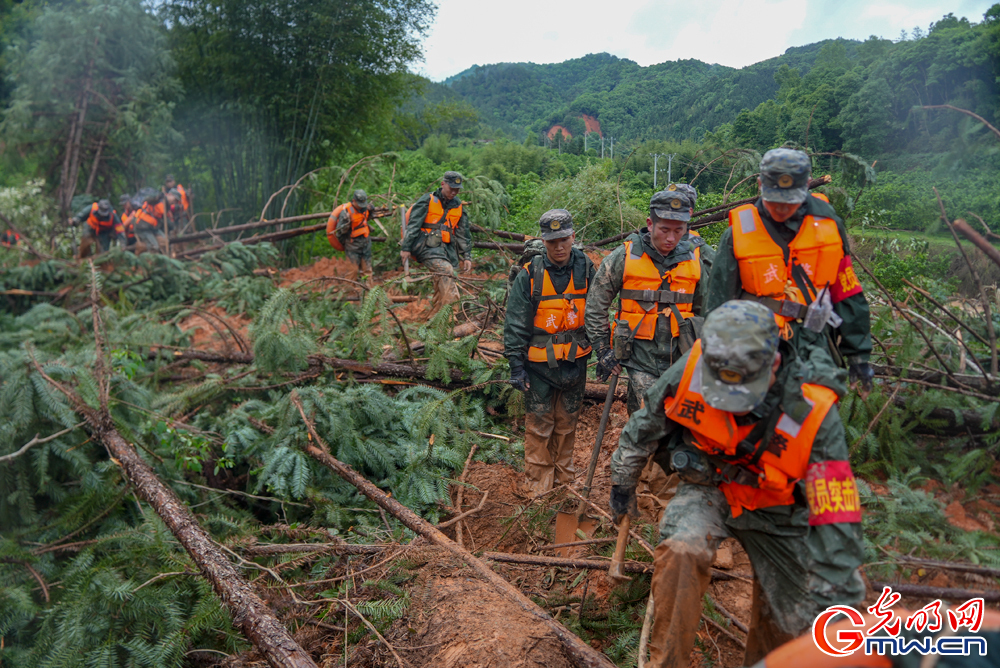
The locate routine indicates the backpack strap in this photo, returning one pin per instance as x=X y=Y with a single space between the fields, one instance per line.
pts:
x=537 y=279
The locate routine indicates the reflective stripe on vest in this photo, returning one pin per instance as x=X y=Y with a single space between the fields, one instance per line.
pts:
x=674 y=289
x=97 y=224
x=558 y=314
x=359 y=221
x=437 y=220
x=817 y=248
x=715 y=432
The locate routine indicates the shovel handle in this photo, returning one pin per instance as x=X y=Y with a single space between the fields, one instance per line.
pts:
x=608 y=400
x=615 y=570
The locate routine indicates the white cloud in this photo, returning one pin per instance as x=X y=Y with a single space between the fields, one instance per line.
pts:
x=729 y=32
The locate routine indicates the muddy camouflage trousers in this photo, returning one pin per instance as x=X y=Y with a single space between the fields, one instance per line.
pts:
x=799 y=571
x=359 y=252
x=552 y=406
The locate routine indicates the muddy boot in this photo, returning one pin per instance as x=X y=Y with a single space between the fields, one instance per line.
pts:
x=681 y=577
x=764 y=635
x=539 y=469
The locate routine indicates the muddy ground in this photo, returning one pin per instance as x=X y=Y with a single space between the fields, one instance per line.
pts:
x=454 y=619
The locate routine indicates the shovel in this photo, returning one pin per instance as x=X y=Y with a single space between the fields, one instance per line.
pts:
x=568 y=524
x=615 y=570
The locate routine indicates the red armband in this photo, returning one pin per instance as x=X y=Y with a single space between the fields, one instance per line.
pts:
x=847 y=284
x=832 y=493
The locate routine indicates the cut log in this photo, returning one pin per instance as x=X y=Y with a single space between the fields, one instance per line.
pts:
x=582 y=654
x=955 y=421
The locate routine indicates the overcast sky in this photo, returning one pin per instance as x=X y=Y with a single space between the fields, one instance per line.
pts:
x=729 y=32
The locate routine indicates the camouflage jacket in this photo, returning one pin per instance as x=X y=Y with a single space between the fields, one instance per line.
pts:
x=343 y=231
x=649 y=432
x=725 y=284
x=654 y=356
x=518 y=327
x=415 y=241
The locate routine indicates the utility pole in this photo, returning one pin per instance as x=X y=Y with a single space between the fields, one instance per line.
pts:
x=656 y=157
x=670 y=163
x=602 y=147
x=612 y=140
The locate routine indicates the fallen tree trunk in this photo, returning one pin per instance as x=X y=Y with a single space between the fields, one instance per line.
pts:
x=516 y=236
x=966 y=231
x=922 y=592
x=563 y=562
x=978 y=383
x=723 y=211
x=254 y=619
x=955 y=420
x=582 y=654
x=380 y=212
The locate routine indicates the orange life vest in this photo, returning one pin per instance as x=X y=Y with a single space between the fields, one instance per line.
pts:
x=128 y=222
x=185 y=201
x=9 y=239
x=359 y=221
x=96 y=223
x=149 y=214
x=644 y=297
x=559 y=333
x=436 y=219
x=817 y=249
x=785 y=457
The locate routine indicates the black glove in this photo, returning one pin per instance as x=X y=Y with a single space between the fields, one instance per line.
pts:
x=606 y=363
x=519 y=378
x=623 y=502
x=863 y=373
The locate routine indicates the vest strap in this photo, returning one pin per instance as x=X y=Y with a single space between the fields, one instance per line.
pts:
x=783 y=307
x=576 y=337
x=658 y=296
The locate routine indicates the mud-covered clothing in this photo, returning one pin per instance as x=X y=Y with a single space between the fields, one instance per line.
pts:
x=148 y=237
x=854 y=334
x=650 y=356
x=519 y=327
x=416 y=242
x=802 y=569
x=102 y=239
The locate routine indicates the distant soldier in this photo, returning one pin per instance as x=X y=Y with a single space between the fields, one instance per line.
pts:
x=101 y=226
x=170 y=183
x=148 y=219
x=754 y=434
x=790 y=252
x=438 y=235
x=347 y=229
x=175 y=210
x=10 y=239
x=546 y=345
x=128 y=219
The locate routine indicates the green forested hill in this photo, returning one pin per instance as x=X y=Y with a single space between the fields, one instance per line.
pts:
x=832 y=95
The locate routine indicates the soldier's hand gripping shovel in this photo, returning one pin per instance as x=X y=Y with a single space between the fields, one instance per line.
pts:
x=567 y=524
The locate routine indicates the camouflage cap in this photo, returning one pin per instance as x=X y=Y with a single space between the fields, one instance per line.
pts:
x=691 y=193
x=784 y=176
x=556 y=224
x=103 y=208
x=124 y=199
x=739 y=341
x=453 y=179
x=169 y=179
x=670 y=205
x=360 y=196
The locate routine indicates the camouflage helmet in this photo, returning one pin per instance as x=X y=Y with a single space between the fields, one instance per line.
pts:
x=739 y=341
x=784 y=176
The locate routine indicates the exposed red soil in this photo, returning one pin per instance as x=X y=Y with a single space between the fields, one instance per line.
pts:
x=592 y=124
x=208 y=333
x=555 y=129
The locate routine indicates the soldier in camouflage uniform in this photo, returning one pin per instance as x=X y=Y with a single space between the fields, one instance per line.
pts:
x=668 y=244
x=353 y=233
x=787 y=221
x=754 y=434
x=546 y=345
x=438 y=235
